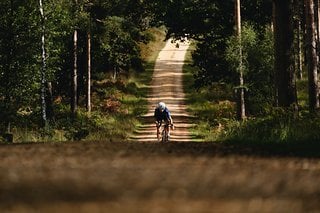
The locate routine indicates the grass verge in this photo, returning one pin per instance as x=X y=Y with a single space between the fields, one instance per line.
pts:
x=210 y=105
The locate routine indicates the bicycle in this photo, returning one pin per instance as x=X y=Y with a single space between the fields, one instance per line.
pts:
x=165 y=133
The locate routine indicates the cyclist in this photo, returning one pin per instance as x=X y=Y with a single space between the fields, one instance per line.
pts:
x=162 y=113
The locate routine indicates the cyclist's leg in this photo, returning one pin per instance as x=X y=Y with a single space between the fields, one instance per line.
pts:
x=167 y=123
x=163 y=135
x=158 y=133
x=158 y=125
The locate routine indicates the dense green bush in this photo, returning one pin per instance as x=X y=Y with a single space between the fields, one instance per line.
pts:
x=257 y=64
x=279 y=126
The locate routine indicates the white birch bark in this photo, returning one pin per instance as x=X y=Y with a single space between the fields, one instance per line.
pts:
x=74 y=83
x=44 y=65
x=89 y=74
x=241 y=102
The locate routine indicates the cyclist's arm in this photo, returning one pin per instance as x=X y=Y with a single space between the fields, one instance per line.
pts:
x=156 y=117
x=169 y=117
x=171 y=121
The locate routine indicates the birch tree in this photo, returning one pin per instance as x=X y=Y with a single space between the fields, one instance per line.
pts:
x=298 y=38
x=43 y=68
x=241 y=113
x=74 y=79
x=89 y=73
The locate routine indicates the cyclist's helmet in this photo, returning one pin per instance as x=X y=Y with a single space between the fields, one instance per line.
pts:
x=161 y=106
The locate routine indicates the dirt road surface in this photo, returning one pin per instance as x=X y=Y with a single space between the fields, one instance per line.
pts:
x=166 y=86
x=145 y=176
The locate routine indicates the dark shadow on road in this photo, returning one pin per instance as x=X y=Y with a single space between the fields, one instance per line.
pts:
x=193 y=149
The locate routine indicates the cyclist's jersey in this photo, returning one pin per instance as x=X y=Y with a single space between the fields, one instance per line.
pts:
x=160 y=116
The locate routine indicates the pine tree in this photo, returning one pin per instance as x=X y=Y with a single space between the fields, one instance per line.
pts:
x=311 y=56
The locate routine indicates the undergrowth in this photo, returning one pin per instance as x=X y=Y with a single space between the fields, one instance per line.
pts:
x=116 y=104
x=214 y=109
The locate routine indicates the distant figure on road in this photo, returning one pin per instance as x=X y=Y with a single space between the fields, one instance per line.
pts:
x=162 y=113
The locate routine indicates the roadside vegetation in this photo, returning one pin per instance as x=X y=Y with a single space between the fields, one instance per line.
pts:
x=214 y=104
x=46 y=71
x=117 y=104
x=214 y=109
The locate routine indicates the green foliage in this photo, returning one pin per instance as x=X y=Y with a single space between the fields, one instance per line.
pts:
x=215 y=121
x=85 y=127
x=59 y=28
x=257 y=12
x=18 y=48
x=117 y=28
x=210 y=105
x=260 y=76
x=303 y=98
x=195 y=19
x=279 y=126
x=237 y=51
x=118 y=42
x=257 y=66
x=119 y=31
x=213 y=67
x=210 y=23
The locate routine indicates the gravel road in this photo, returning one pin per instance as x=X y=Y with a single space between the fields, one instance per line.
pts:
x=154 y=177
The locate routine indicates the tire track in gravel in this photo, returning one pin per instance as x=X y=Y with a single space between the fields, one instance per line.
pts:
x=167 y=86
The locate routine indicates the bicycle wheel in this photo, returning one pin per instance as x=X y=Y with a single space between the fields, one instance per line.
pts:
x=163 y=139
x=165 y=136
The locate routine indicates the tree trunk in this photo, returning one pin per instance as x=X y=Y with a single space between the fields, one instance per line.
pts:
x=74 y=82
x=311 y=56
x=74 y=76
x=241 y=113
x=43 y=68
x=318 y=31
x=89 y=75
x=275 y=78
x=284 y=54
x=298 y=43
x=299 y=52
x=115 y=69
x=317 y=22
x=49 y=102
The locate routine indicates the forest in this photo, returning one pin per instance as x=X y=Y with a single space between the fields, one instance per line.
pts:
x=76 y=70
